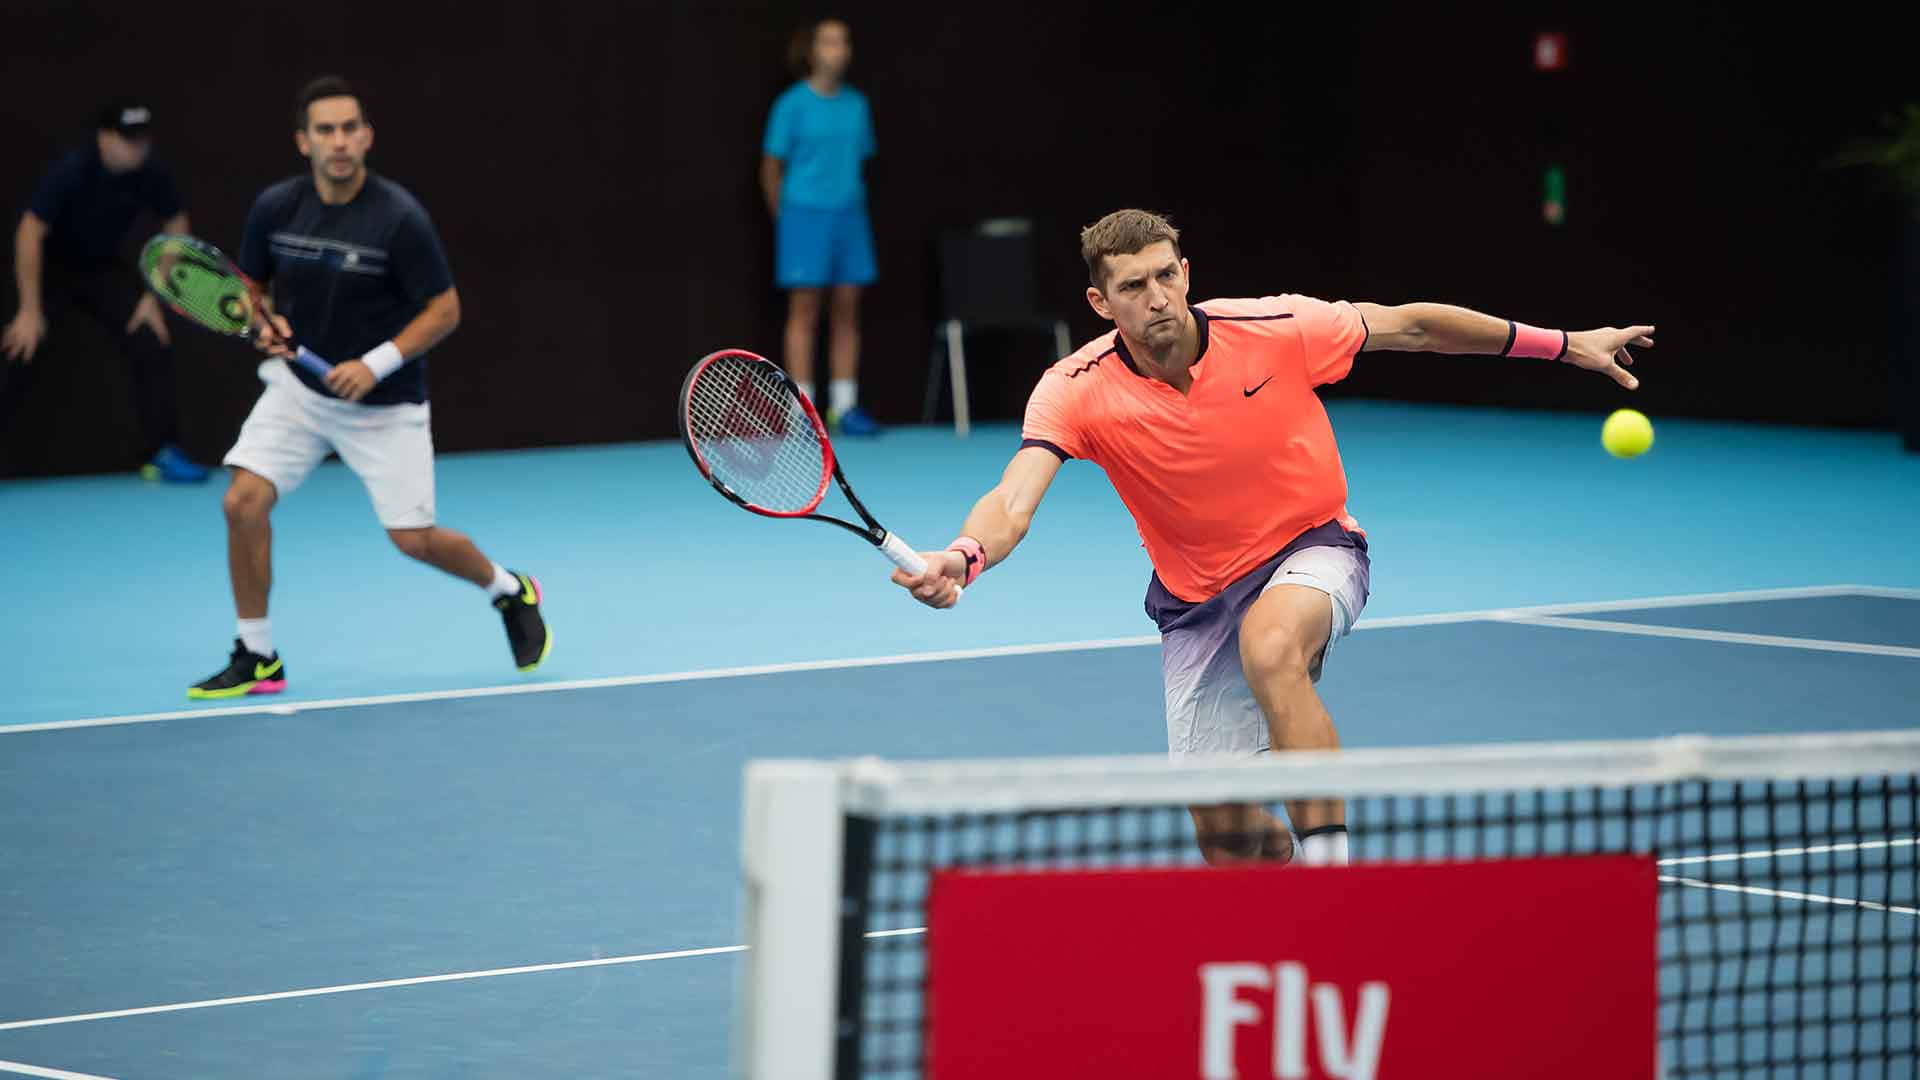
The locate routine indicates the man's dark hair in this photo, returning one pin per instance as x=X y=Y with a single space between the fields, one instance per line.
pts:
x=1123 y=232
x=325 y=86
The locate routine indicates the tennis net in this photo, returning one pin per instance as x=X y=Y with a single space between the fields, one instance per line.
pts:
x=1751 y=905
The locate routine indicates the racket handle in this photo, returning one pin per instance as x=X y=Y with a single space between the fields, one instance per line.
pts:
x=311 y=362
x=904 y=557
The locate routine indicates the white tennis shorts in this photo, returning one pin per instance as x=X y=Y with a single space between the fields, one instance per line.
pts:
x=390 y=447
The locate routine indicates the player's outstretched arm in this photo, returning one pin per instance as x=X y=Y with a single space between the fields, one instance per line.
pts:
x=1443 y=328
x=998 y=523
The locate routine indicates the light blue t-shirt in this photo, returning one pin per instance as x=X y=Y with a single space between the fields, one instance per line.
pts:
x=821 y=141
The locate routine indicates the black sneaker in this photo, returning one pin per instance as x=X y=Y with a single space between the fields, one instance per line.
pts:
x=526 y=631
x=247 y=673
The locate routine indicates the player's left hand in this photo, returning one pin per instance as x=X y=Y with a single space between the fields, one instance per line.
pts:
x=351 y=381
x=1605 y=350
x=147 y=313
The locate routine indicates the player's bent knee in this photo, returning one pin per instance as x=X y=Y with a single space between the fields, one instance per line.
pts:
x=413 y=543
x=1278 y=652
x=1283 y=635
x=248 y=501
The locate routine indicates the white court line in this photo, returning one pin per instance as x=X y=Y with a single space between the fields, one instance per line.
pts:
x=1724 y=636
x=1884 y=591
x=1811 y=898
x=1507 y=614
x=50 y=1074
x=384 y=984
x=1741 y=596
x=1822 y=849
x=387 y=984
x=291 y=707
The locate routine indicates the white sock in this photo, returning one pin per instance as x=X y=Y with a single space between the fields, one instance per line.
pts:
x=504 y=584
x=1326 y=846
x=257 y=636
x=842 y=394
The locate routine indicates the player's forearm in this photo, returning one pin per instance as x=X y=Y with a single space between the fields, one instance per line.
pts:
x=1444 y=328
x=28 y=241
x=998 y=524
x=177 y=225
x=429 y=328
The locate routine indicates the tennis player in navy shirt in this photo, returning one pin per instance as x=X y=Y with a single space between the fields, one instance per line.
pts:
x=357 y=276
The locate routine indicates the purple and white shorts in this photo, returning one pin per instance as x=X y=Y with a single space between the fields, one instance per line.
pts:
x=1210 y=707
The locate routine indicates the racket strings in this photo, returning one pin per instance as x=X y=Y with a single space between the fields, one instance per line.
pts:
x=197 y=284
x=756 y=436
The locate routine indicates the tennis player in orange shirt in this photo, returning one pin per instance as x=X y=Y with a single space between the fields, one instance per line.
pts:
x=1205 y=418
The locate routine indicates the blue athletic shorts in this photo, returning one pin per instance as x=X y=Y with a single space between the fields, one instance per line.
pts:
x=817 y=248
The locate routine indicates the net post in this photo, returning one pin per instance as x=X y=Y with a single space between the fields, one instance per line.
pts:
x=790 y=860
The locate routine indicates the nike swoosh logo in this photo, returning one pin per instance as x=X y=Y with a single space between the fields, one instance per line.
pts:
x=266 y=671
x=1256 y=389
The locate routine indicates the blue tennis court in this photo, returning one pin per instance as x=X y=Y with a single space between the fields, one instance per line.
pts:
x=414 y=864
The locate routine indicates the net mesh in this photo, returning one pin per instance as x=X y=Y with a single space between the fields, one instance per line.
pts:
x=753 y=433
x=1787 y=921
x=194 y=280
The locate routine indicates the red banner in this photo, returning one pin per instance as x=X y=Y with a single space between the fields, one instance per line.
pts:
x=1521 y=968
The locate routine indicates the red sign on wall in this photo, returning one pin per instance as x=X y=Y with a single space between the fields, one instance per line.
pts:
x=1521 y=968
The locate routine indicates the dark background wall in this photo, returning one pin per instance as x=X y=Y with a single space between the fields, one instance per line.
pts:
x=592 y=173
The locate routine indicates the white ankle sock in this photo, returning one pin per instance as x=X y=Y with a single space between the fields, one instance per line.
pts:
x=1324 y=848
x=257 y=636
x=842 y=394
x=504 y=584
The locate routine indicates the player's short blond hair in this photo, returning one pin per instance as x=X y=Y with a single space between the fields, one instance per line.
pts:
x=1123 y=232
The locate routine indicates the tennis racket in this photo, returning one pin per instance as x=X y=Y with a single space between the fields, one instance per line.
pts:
x=758 y=440
x=198 y=281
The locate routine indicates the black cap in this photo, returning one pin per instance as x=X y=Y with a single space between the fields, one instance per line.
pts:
x=128 y=116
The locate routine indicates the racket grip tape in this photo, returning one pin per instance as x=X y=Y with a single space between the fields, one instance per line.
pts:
x=311 y=362
x=902 y=555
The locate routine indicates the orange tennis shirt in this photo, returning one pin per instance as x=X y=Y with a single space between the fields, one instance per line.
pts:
x=1219 y=479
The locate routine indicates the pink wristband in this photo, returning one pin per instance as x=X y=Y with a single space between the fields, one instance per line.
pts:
x=1533 y=343
x=974 y=552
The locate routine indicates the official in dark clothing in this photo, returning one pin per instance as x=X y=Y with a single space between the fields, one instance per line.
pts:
x=67 y=264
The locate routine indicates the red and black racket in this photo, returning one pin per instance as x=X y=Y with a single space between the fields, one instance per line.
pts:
x=758 y=440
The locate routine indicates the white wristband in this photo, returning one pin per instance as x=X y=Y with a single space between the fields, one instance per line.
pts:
x=383 y=359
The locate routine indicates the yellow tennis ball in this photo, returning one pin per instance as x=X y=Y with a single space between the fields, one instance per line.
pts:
x=1627 y=433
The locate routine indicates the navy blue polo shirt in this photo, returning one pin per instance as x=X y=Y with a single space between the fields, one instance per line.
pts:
x=347 y=277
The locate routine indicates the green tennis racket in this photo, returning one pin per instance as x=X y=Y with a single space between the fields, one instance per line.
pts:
x=198 y=281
